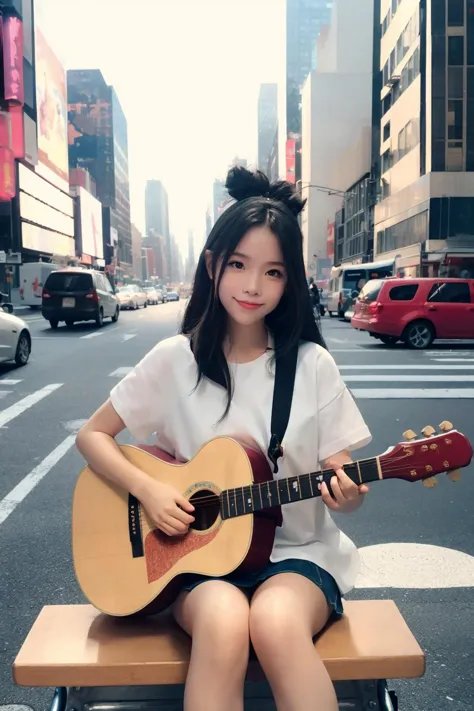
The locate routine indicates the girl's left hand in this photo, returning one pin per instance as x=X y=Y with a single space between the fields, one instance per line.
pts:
x=347 y=494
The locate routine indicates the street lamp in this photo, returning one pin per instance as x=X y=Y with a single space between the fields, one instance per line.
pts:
x=325 y=189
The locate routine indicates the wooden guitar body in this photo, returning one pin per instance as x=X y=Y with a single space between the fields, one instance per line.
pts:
x=126 y=566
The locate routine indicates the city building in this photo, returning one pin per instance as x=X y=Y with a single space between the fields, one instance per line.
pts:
x=220 y=198
x=190 y=260
x=36 y=210
x=136 y=252
x=157 y=216
x=267 y=123
x=337 y=148
x=98 y=141
x=304 y=20
x=425 y=217
x=158 y=266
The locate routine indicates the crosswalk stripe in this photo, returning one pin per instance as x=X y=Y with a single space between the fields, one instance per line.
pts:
x=412 y=393
x=401 y=377
x=453 y=360
x=406 y=367
x=26 y=485
x=121 y=372
x=25 y=403
x=4 y=393
x=9 y=381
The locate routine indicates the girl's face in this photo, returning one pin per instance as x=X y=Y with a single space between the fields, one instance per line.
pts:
x=254 y=278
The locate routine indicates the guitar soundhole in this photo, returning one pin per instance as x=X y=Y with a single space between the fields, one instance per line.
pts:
x=207 y=508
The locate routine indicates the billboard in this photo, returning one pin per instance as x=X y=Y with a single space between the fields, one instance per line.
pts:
x=91 y=224
x=51 y=98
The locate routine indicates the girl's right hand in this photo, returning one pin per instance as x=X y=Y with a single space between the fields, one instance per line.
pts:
x=167 y=508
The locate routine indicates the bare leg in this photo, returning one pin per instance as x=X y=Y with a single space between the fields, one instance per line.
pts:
x=216 y=615
x=286 y=612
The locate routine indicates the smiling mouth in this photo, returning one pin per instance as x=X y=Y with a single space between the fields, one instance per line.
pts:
x=248 y=305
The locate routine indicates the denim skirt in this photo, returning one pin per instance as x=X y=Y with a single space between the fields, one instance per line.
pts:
x=251 y=581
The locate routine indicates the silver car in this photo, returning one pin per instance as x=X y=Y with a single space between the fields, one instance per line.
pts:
x=15 y=339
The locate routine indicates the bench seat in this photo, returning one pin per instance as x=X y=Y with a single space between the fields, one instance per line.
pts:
x=76 y=646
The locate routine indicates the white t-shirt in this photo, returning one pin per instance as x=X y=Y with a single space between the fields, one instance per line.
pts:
x=159 y=396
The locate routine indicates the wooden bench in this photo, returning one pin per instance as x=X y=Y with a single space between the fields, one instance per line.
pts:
x=91 y=658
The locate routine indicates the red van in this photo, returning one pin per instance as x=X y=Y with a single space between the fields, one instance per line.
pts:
x=416 y=311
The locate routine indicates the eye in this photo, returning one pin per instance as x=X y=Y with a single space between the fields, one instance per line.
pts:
x=234 y=264
x=276 y=273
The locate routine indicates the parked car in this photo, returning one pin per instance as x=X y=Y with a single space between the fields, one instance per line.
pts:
x=161 y=298
x=172 y=296
x=15 y=339
x=416 y=311
x=75 y=294
x=131 y=296
x=151 y=295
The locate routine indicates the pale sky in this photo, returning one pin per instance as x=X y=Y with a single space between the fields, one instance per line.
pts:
x=187 y=73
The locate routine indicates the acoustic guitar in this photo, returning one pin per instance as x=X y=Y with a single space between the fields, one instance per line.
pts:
x=126 y=566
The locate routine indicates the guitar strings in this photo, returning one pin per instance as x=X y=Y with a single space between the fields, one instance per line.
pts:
x=215 y=499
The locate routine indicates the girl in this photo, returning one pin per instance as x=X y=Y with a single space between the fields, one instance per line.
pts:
x=249 y=304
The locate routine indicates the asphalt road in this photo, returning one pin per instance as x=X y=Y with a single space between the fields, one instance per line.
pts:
x=417 y=543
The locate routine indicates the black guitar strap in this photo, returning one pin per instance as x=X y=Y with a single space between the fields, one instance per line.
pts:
x=285 y=371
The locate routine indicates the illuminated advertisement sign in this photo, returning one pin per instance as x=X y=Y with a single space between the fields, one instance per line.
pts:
x=51 y=97
x=91 y=224
x=13 y=61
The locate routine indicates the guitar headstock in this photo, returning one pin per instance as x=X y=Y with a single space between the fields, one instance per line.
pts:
x=421 y=459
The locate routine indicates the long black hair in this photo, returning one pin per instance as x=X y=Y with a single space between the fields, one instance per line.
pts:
x=258 y=203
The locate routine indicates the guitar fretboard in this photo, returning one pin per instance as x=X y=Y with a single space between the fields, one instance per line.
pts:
x=276 y=492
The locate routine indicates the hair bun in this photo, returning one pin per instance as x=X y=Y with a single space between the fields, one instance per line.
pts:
x=242 y=183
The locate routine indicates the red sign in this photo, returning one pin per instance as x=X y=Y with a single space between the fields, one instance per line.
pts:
x=7 y=174
x=13 y=61
x=291 y=160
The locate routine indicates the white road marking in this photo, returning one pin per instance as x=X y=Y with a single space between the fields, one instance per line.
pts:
x=95 y=334
x=336 y=340
x=454 y=360
x=22 y=405
x=410 y=394
x=74 y=425
x=26 y=485
x=4 y=393
x=406 y=367
x=415 y=566
x=409 y=378
x=9 y=381
x=121 y=372
x=128 y=336
x=32 y=318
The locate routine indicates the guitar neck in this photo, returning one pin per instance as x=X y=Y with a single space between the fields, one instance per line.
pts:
x=276 y=492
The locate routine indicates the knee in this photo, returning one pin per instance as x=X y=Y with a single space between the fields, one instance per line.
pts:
x=275 y=629
x=223 y=629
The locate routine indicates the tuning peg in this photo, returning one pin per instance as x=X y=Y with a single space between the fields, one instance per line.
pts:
x=445 y=426
x=428 y=431
x=409 y=434
x=430 y=482
x=454 y=475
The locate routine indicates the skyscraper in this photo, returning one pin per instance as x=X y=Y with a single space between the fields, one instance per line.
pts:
x=157 y=215
x=267 y=123
x=98 y=141
x=304 y=21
